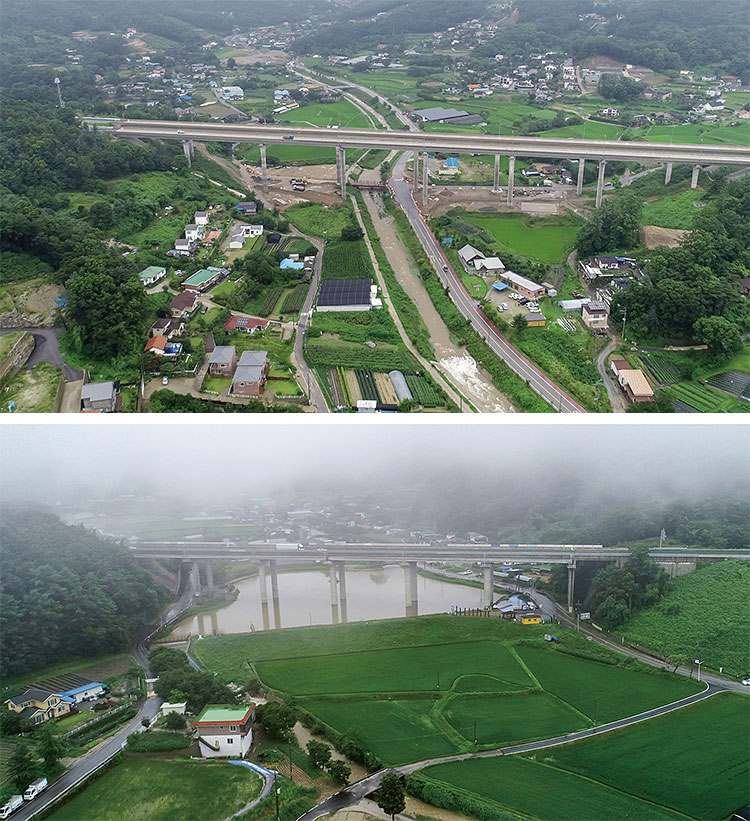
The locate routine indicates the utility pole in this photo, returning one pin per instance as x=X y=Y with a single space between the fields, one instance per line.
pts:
x=475 y=731
x=291 y=771
x=438 y=678
x=277 y=790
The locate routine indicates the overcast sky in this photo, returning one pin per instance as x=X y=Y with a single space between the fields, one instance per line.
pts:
x=50 y=462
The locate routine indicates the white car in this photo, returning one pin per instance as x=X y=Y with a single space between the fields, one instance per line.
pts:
x=165 y=380
x=746 y=682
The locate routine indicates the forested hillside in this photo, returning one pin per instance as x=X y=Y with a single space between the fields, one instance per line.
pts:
x=66 y=592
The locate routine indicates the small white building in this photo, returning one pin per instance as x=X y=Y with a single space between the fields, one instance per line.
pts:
x=176 y=707
x=201 y=218
x=489 y=265
x=224 y=730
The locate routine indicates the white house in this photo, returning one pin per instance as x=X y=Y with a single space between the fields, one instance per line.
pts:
x=152 y=274
x=224 y=730
x=175 y=707
x=489 y=265
x=201 y=218
x=241 y=232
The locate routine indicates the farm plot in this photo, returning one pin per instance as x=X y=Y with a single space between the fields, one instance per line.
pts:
x=346 y=259
x=506 y=719
x=704 y=780
x=338 y=393
x=698 y=397
x=403 y=731
x=264 y=305
x=423 y=391
x=408 y=669
x=603 y=692
x=385 y=389
x=733 y=382
x=661 y=370
x=294 y=300
x=351 y=384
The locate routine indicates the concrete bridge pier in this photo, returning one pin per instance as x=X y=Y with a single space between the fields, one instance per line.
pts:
x=668 y=174
x=209 y=574
x=263 y=596
x=342 y=591
x=600 y=182
x=187 y=147
x=214 y=623
x=496 y=176
x=275 y=594
x=195 y=577
x=341 y=169
x=334 y=593
x=694 y=178
x=415 y=170
x=264 y=166
x=410 y=589
x=488 y=589
x=511 y=175
x=579 y=182
x=425 y=181
x=571 y=585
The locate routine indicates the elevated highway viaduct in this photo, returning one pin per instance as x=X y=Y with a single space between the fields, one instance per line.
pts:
x=268 y=556
x=340 y=139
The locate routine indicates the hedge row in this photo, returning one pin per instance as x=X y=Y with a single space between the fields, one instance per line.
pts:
x=441 y=795
x=154 y=741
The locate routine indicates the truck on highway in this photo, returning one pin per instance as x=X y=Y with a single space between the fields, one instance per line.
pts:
x=33 y=790
x=289 y=546
x=13 y=803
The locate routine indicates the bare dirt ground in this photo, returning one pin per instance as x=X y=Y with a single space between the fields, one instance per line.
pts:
x=33 y=303
x=653 y=236
x=444 y=198
x=460 y=368
x=71 y=398
x=260 y=57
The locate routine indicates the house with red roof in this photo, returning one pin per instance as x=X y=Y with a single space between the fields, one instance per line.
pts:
x=246 y=324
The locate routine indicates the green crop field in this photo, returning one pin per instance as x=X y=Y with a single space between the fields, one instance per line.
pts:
x=600 y=691
x=507 y=719
x=531 y=790
x=396 y=730
x=165 y=790
x=673 y=210
x=345 y=259
x=320 y=220
x=706 y=779
x=707 y=609
x=542 y=238
x=411 y=669
x=343 y=113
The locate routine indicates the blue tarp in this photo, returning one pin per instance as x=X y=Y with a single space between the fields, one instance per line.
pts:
x=451 y=162
x=290 y=263
x=499 y=286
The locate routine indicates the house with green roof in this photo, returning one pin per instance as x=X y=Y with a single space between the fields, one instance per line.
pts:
x=225 y=730
x=203 y=279
x=152 y=274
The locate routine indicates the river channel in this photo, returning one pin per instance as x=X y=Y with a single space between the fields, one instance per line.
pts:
x=305 y=598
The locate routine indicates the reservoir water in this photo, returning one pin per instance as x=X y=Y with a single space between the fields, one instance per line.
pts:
x=305 y=598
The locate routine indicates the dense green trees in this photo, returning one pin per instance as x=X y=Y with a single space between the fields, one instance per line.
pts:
x=620 y=591
x=618 y=88
x=66 y=592
x=611 y=227
x=178 y=681
x=277 y=718
x=691 y=292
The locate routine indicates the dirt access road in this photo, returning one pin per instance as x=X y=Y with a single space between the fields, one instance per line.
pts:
x=452 y=360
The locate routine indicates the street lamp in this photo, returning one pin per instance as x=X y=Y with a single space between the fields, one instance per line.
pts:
x=696 y=661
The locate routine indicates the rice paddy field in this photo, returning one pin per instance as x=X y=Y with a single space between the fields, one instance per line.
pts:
x=459 y=685
x=645 y=771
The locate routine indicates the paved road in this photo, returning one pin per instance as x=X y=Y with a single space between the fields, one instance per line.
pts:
x=616 y=399
x=313 y=389
x=47 y=349
x=541 y=384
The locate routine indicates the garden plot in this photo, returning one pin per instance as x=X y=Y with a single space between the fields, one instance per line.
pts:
x=737 y=384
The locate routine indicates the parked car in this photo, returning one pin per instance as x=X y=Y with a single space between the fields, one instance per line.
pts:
x=505 y=306
x=165 y=380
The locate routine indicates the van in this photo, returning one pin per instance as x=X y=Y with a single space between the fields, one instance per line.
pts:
x=11 y=806
x=33 y=790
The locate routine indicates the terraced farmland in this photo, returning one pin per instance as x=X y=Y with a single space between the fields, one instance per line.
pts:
x=661 y=370
x=698 y=397
x=737 y=384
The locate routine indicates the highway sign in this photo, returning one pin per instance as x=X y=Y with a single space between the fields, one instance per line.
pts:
x=584 y=616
